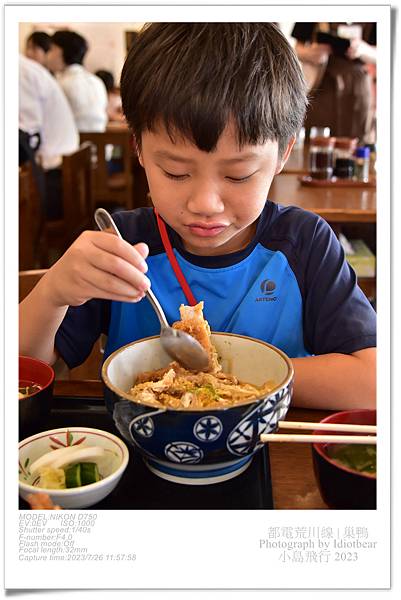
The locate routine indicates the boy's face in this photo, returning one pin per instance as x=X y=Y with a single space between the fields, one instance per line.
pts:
x=211 y=199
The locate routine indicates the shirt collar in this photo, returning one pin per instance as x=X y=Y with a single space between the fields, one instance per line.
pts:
x=223 y=260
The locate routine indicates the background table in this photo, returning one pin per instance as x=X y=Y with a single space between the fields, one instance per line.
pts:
x=336 y=205
x=298 y=160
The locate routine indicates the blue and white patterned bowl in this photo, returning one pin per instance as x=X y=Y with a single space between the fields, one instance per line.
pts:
x=206 y=445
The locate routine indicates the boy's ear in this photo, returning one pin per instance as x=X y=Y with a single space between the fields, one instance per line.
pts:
x=137 y=150
x=283 y=159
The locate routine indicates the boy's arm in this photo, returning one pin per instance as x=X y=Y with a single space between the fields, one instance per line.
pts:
x=336 y=381
x=39 y=320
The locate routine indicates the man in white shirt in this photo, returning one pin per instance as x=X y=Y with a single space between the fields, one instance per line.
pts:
x=44 y=110
x=85 y=92
x=45 y=118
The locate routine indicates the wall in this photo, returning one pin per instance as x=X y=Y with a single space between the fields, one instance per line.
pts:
x=106 y=42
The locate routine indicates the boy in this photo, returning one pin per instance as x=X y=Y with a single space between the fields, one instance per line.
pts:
x=214 y=109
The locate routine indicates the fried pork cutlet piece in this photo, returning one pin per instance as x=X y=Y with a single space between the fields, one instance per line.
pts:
x=41 y=501
x=193 y=322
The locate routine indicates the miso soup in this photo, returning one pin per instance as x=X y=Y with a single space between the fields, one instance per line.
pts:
x=359 y=457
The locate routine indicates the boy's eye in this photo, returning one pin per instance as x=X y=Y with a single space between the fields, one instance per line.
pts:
x=174 y=176
x=240 y=179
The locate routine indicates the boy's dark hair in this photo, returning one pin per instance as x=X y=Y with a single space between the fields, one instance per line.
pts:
x=194 y=77
x=73 y=45
x=107 y=79
x=40 y=39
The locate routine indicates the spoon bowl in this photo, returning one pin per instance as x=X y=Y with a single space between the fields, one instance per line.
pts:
x=178 y=344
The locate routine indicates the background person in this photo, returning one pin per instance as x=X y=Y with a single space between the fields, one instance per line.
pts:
x=46 y=118
x=37 y=47
x=85 y=92
x=334 y=57
x=114 y=106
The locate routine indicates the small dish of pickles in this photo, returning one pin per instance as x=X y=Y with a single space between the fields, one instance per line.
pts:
x=76 y=466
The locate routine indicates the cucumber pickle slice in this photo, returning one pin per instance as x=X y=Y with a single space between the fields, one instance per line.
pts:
x=89 y=473
x=81 y=474
x=73 y=476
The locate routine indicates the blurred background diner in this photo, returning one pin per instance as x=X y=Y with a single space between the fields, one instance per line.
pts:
x=37 y=46
x=76 y=152
x=335 y=59
x=85 y=92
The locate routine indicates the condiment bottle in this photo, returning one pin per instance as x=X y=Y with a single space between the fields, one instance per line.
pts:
x=344 y=168
x=321 y=157
x=315 y=132
x=344 y=147
x=343 y=154
x=372 y=148
x=362 y=160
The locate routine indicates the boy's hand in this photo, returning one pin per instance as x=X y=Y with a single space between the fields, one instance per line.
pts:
x=98 y=265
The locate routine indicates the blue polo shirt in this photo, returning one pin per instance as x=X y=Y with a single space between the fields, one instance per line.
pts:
x=291 y=287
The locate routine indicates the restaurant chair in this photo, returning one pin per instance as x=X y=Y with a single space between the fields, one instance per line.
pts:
x=78 y=206
x=30 y=218
x=90 y=369
x=112 y=188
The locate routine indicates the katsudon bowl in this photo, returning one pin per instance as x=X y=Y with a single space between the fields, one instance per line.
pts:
x=206 y=445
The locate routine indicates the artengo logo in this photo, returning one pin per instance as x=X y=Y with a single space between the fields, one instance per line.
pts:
x=267 y=287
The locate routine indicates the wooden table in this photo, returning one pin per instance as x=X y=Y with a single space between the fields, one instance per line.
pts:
x=336 y=205
x=293 y=480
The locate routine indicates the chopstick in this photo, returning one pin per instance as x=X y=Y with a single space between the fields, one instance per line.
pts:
x=346 y=427
x=319 y=439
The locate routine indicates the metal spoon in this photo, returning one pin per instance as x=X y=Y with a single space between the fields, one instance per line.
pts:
x=181 y=346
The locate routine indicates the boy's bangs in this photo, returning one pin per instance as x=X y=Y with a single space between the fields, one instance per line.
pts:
x=195 y=121
x=202 y=125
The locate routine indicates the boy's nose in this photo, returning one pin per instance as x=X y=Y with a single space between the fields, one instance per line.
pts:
x=206 y=201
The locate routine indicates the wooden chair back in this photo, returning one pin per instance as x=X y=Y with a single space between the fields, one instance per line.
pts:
x=78 y=206
x=77 y=190
x=112 y=188
x=30 y=218
x=28 y=280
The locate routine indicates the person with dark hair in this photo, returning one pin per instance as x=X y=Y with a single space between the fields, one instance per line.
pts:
x=114 y=106
x=107 y=78
x=85 y=92
x=68 y=48
x=214 y=109
x=37 y=47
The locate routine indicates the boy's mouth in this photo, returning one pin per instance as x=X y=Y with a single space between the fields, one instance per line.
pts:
x=206 y=229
